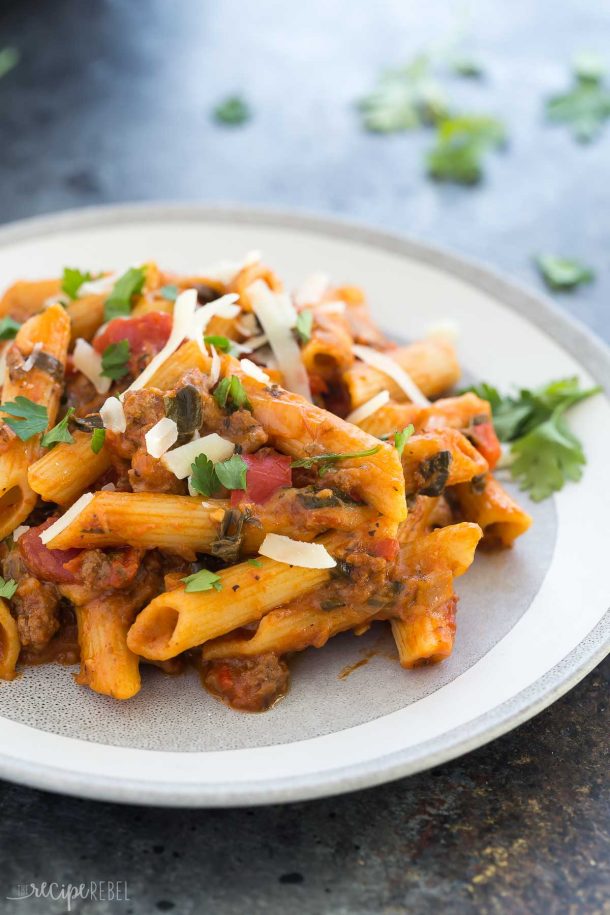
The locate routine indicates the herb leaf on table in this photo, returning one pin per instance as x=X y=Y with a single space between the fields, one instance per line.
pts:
x=585 y=107
x=561 y=273
x=461 y=144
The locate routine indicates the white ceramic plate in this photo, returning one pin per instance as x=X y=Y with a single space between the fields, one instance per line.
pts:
x=531 y=623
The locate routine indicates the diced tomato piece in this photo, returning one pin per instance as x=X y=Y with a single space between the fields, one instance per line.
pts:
x=42 y=562
x=485 y=440
x=147 y=335
x=267 y=472
x=386 y=548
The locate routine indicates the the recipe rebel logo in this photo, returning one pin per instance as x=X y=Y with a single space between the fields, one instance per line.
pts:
x=68 y=893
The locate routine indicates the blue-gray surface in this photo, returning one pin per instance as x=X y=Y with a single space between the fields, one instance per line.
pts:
x=111 y=102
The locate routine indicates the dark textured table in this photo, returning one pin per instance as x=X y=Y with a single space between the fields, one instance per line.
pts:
x=111 y=101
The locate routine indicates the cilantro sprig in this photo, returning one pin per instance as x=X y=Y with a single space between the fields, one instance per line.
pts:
x=115 y=359
x=25 y=417
x=585 y=107
x=59 y=433
x=222 y=344
x=204 y=580
x=561 y=273
x=461 y=145
x=327 y=460
x=232 y=111
x=130 y=284
x=304 y=325
x=545 y=452
x=404 y=98
x=8 y=328
x=97 y=440
x=401 y=438
x=208 y=478
x=230 y=394
x=72 y=280
x=7 y=587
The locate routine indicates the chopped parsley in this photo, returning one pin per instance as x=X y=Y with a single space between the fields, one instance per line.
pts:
x=131 y=283
x=72 y=280
x=585 y=107
x=9 y=58
x=8 y=328
x=304 y=325
x=461 y=145
x=59 y=433
x=403 y=99
x=467 y=66
x=222 y=344
x=115 y=359
x=207 y=478
x=7 y=587
x=255 y=562
x=232 y=112
x=202 y=581
x=25 y=417
x=401 y=438
x=327 y=460
x=545 y=452
x=170 y=292
x=562 y=273
x=230 y=394
x=97 y=440
x=232 y=473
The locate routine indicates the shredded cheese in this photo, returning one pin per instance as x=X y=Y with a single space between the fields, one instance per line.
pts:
x=113 y=415
x=391 y=368
x=62 y=523
x=367 y=409
x=224 y=307
x=184 y=312
x=30 y=362
x=215 y=367
x=161 y=437
x=277 y=316
x=20 y=531
x=100 y=286
x=331 y=307
x=311 y=290
x=214 y=447
x=226 y=271
x=254 y=371
x=296 y=553
x=88 y=361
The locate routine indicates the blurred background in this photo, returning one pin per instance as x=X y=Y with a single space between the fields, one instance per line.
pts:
x=121 y=100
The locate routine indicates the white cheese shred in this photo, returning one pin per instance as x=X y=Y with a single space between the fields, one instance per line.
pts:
x=311 y=290
x=214 y=447
x=367 y=409
x=88 y=361
x=62 y=523
x=184 y=313
x=387 y=365
x=226 y=271
x=20 y=531
x=161 y=437
x=30 y=362
x=296 y=553
x=254 y=371
x=113 y=415
x=277 y=316
x=215 y=367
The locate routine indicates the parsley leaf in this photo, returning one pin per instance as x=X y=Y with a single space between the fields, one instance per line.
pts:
x=328 y=459
x=59 y=433
x=467 y=66
x=33 y=417
x=255 y=562
x=461 y=144
x=563 y=272
x=233 y=111
x=304 y=325
x=545 y=452
x=401 y=438
x=203 y=477
x=118 y=304
x=404 y=99
x=222 y=344
x=169 y=292
x=230 y=394
x=9 y=58
x=72 y=280
x=97 y=440
x=114 y=360
x=8 y=328
x=232 y=473
x=202 y=581
x=7 y=587
x=586 y=106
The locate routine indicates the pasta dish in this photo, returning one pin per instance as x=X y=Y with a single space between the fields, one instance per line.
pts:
x=207 y=470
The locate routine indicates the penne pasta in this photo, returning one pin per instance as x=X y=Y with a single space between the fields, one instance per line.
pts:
x=64 y=473
x=499 y=516
x=10 y=645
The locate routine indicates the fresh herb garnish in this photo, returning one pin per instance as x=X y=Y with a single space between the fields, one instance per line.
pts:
x=304 y=325
x=233 y=111
x=255 y=562
x=563 y=272
x=115 y=360
x=59 y=433
x=326 y=460
x=230 y=394
x=8 y=328
x=403 y=99
x=461 y=145
x=586 y=106
x=546 y=453
x=401 y=438
x=467 y=66
x=9 y=58
x=170 y=292
x=131 y=283
x=72 y=280
x=32 y=417
x=97 y=440
x=232 y=473
x=222 y=344
x=202 y=581
x=7 y=587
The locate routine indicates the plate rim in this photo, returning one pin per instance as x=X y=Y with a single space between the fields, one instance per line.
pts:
x=570 y=333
